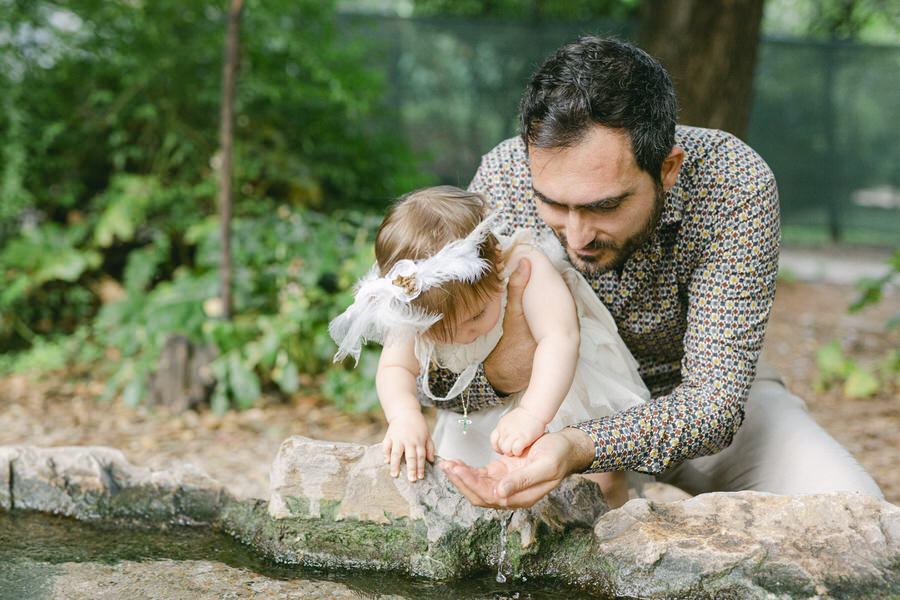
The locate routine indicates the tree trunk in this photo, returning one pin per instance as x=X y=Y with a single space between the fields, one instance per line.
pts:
x=709 y=49
x=229 y=71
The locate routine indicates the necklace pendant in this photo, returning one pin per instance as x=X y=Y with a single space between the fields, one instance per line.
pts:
x=464 y=422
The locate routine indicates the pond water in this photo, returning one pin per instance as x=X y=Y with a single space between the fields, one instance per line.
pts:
x=32 y=543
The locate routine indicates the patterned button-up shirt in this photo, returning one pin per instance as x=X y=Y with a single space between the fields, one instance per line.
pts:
x=691 y=303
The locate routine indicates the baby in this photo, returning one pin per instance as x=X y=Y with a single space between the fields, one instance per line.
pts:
x=436 y=298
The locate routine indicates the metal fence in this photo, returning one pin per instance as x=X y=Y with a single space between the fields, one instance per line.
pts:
x=826 y=117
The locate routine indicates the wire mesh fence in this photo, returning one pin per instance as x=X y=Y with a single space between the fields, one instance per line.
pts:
x=826 y=117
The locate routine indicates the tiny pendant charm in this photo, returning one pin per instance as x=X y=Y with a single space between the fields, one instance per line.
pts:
x=464 y=421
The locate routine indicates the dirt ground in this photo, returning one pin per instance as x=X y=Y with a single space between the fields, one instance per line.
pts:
x=238 y=448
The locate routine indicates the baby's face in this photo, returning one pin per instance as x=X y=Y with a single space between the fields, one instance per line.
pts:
x=478 y=321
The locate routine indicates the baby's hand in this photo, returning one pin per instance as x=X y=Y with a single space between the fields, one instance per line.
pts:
x=516 y=431
x=408 y=435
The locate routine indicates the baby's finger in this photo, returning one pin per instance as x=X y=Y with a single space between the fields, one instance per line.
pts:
x=386 y=449
x=518 y=446
x=412 y=461
x=429 y=449
x=396 y=455
x=420 y=463
x=495 y=441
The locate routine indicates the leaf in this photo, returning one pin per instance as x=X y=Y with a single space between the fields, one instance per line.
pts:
x=127 y=199
x=860 y=384
x=13 y=291
x=871 y=292
x=134 y=392
x=116 y=221
x=67 y=265
x=219 y=400
x=143 y=262
x=288 y=378
x=832 y=362
x=889 y=365
x=244 y=382
x=270 y=344
x=893 y=322
x=894 y=260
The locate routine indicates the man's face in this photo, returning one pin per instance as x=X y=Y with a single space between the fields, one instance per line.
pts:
x=596 y=200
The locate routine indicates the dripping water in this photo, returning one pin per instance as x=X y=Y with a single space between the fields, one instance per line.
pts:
x=504 y=526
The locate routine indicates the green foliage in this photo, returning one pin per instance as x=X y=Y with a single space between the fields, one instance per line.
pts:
x=48 y=353
x=872 y=289
x=353 y=390
x=836 y=368
x=533 y=10
x=109 y=150
x=135 y=87
x=874 y=21
x=36 y=269
x=294 y=273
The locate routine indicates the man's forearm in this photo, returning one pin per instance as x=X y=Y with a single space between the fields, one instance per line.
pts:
x=662 y=433
x=583 y=452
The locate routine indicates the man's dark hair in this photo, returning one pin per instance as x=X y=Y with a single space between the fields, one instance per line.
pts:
x=606 y=82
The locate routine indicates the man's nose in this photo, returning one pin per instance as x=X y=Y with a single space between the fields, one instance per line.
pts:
x=578 y=232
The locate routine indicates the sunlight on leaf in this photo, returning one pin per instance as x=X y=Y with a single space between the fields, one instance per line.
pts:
x=860 y=384
x=832 y=362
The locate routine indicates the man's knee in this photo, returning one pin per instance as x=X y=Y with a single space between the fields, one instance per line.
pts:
x=791 y=452
x=779 y=448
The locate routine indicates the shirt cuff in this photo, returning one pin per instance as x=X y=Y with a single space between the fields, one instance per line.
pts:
x=594 y=466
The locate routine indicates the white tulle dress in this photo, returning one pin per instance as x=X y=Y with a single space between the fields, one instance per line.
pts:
x=606 y=377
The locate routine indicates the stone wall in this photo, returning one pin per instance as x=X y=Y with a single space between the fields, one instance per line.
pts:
x=334 y=504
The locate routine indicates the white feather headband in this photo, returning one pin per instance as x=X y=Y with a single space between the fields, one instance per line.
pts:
x=382 y=305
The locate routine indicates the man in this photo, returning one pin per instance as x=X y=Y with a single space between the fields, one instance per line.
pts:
x=676 y=228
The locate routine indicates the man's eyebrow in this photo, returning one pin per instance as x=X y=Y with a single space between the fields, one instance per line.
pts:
x=602 y=203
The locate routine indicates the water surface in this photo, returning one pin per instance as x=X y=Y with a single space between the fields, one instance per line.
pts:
x=32 y=543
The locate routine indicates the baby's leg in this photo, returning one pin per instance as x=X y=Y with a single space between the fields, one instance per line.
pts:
x=613 y=485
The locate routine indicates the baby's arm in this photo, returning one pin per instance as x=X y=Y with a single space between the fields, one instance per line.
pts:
x=407 y=431
x=550 y=312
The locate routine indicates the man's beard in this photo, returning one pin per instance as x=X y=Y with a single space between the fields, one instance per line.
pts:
x=597 y=265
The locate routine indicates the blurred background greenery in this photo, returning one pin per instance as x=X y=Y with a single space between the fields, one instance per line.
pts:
x=109 y=147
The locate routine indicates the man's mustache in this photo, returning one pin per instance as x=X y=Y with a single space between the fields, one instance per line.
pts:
x=596 y=244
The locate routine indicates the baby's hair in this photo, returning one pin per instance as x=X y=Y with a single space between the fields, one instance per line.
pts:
x=422 y=222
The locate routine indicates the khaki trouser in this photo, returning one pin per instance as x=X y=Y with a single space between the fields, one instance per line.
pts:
x=779 y=448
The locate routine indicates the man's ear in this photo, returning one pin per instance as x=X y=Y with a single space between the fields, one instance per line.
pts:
x=671 y=166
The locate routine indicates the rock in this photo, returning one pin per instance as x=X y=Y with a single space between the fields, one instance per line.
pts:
x=334 y=504
x=340 y=503
x=662 y=492
x=722 y=545
x=7 y=455
x=95 y=482
x=846 y=545
x=184 y=580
